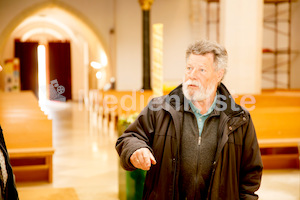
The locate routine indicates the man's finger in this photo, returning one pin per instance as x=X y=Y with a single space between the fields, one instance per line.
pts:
x=134 y=160
x=142 y=159
x=146 y=157
x=153 y=161
x=137 y=163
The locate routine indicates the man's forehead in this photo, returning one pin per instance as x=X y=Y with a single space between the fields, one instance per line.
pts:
x=200 y=59
x=197 y=64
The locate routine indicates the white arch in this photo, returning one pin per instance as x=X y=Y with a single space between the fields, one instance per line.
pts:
x=47 y=20
x=36 y=31
x=62 y=22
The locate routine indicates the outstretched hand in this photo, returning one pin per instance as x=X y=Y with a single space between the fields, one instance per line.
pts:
x=142 y=159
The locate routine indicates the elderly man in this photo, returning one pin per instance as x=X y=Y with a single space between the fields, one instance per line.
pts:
x=195 y=142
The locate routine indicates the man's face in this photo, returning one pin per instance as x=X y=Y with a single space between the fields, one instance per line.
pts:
x=201 y=79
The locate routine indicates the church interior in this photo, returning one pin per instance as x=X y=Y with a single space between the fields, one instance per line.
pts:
x=74 y=74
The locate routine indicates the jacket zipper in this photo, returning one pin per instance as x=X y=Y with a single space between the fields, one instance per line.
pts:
x=199 y=140
x=197 y=169
x=216 y=160
x=175 y=160
x=198 y=152
x=174 y=177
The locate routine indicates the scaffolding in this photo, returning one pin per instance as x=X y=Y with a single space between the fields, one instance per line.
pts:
x=276 y=68
x=281 y=27
x=213 y=12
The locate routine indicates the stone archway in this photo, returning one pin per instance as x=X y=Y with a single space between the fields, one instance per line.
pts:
x=88 y=44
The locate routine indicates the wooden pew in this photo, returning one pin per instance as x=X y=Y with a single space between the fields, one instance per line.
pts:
x=275 y=116
x=28 y=136
x=110 y=105
x=126 y=102
x=276 y=119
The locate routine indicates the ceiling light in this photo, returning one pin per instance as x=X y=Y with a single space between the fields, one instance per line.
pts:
x=96 y=65
x=99 y=75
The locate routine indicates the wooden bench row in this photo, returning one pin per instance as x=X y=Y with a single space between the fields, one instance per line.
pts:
x=28 y=136
x=276 y=119
x=275 y=116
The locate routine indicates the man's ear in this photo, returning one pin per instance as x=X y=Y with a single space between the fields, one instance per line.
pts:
x=220 y=74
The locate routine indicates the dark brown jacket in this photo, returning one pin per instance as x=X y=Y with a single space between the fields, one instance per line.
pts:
x=10 y=192
x=237 y=166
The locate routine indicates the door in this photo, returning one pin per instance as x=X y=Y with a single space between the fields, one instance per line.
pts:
x=60 y=67
x=27 y=53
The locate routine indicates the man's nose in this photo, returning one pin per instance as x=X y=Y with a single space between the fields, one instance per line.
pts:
x=192 y=75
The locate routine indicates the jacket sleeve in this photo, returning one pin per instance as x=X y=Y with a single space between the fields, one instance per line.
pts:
x=251 y=164
x=138 y=135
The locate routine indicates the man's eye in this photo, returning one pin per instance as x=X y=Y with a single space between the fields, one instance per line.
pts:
x=189 y=68
x=202 y=70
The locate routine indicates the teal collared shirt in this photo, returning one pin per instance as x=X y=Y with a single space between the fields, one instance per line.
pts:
x=201 y=118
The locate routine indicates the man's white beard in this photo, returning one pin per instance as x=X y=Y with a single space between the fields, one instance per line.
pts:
x=199 y=94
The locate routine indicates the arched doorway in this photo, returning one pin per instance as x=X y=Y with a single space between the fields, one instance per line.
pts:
x=58 y=23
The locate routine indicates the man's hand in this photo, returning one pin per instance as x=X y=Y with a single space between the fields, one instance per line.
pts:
x=142 y=159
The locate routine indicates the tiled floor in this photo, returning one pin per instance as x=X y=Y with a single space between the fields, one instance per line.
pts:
x=280 y=185
x=85 y=159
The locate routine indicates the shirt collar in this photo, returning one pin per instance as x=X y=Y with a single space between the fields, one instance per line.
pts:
x=198 y=111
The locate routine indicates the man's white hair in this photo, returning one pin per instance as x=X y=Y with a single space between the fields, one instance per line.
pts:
x=206 y=46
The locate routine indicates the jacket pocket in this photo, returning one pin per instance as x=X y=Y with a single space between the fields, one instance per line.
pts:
x=235 y=138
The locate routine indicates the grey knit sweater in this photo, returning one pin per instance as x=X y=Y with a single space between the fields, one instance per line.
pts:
x=197 y=155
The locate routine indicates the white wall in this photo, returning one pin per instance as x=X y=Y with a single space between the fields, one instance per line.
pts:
x=174 y=15
x=241 y=34
x=129 y=45
x=126 y=20
x=177 y=34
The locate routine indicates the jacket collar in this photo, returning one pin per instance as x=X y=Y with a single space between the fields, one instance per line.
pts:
x=232 y=107
x=177 y=92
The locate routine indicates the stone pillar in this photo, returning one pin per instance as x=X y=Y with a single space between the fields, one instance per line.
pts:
x=241 y=33
x=146 y=6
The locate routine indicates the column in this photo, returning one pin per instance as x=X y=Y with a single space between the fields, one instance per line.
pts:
x=241 y=33
x=157 y=70
x=146 y=6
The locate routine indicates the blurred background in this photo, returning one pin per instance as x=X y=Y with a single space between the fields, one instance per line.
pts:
x=75 y=73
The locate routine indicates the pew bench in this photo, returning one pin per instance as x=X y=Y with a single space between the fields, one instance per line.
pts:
x=280 y=154
x=32 y=164
x=29 y=144
x=276 y=120
x=28 y=136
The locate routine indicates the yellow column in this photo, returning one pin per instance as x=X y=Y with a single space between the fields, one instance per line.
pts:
x=157 y=70
x=146 y=4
